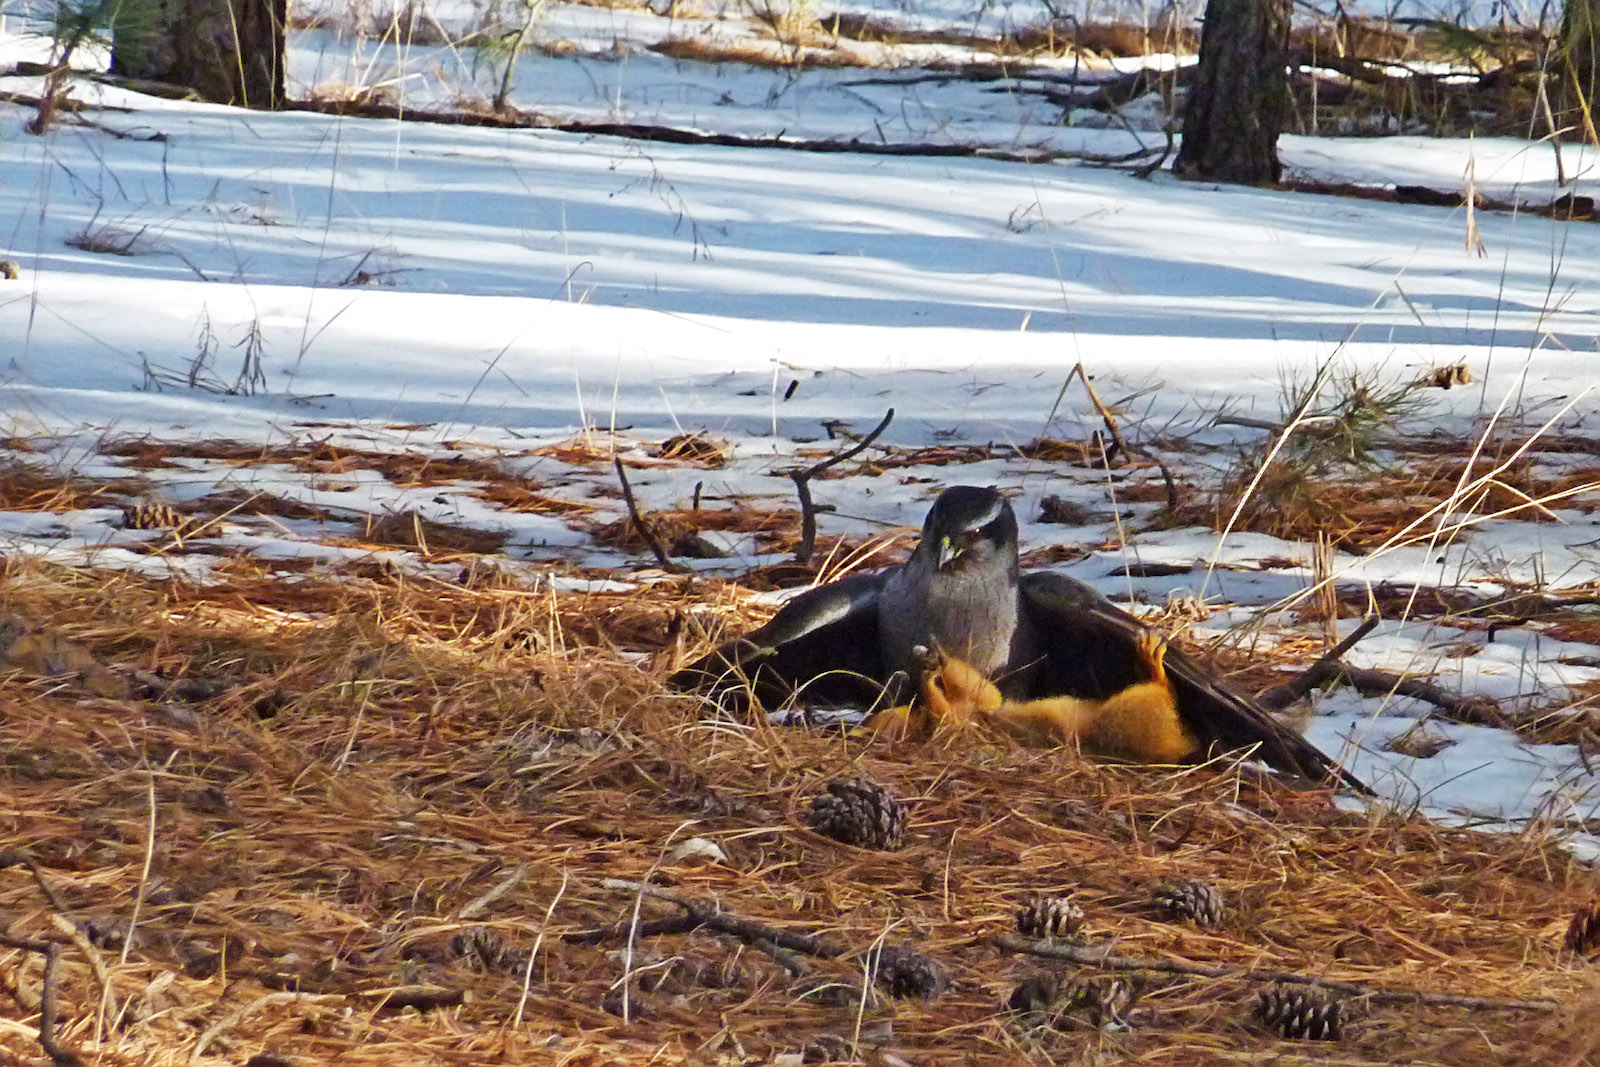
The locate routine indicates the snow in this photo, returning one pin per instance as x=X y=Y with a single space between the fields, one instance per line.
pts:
x=419 y=290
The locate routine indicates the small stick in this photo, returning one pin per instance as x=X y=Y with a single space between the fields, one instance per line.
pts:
x=420 y=997
x=709 y=913
x=802 y=486
x=59 y=1055
x=44 y=887
x=1247 y=422
x=643 y=529
x=1103 y=957
x=96 y=964
x=1105 y=416
x=1457 y=706
x=1323 y=671
x=789 y=961
x=680 y=924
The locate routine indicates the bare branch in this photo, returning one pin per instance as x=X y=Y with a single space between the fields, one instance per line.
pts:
x=1320 y=673
x=802 y=485
x=642 y=527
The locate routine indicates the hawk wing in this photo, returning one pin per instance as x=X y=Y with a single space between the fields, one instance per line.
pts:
x=1086 y=646
x=821 y=648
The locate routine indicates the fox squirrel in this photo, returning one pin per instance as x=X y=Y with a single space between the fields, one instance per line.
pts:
x=1139 y=723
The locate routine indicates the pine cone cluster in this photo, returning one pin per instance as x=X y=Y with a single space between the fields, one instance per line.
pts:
x=905 y=972
x=1050 y=916
x=1301 y=1013
x=1583 y=934
x=859 y=811
x=1186 y=898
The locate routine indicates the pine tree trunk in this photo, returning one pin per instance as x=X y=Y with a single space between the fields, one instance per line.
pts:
x=1237 y=104
x=228 y=51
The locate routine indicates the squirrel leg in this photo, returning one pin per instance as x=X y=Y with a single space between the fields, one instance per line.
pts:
x=1142 y=722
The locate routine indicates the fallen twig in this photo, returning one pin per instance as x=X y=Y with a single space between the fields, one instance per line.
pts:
x=802 y=485
x=44 y=887
x=420 y=997
x=1105 y=416
x=709 y=913
x=1320 y=673
x=1102 y=956
x=1457 y=706
x=511 y=118
x=91 y=955
x=657 y=549
x=680 y=924
x=59 y=1055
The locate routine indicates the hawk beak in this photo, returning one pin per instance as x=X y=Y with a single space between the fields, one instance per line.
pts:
x=948 y=551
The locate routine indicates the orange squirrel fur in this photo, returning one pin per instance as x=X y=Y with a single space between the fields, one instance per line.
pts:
x=1139 y=723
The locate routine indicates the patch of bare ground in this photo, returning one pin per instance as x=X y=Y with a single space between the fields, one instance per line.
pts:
x=397 y=820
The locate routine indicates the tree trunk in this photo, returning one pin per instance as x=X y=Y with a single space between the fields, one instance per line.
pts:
x=228 y=51
x=1240 y=95
x=1578 y=73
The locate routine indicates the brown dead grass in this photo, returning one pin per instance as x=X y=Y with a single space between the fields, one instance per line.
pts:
x=1366 y=510
x=808 y=49
x=24 y=487
x=391 y=764
x=775 y=530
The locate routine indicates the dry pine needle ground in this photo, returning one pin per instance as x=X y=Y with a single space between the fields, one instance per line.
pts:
x=371 y=821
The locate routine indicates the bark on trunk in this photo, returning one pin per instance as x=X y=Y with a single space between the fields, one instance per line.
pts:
x=229 y=51
x=1240 y=95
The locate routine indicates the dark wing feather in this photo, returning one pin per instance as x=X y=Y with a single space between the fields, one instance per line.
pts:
x=821 y=648
x=1086 y=645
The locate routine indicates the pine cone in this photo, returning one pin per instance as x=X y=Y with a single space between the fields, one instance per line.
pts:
x=1103 y=999
x=859 y=811
x=684 y=974
x=828 y=992
x=1036 y=993
x=488 y=950
x=1186 y=898
x=906 y=972
x=828 y=1048
x=151 y=515
x=1050 y=916
x=1301 y=1012
x=1583 y=934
